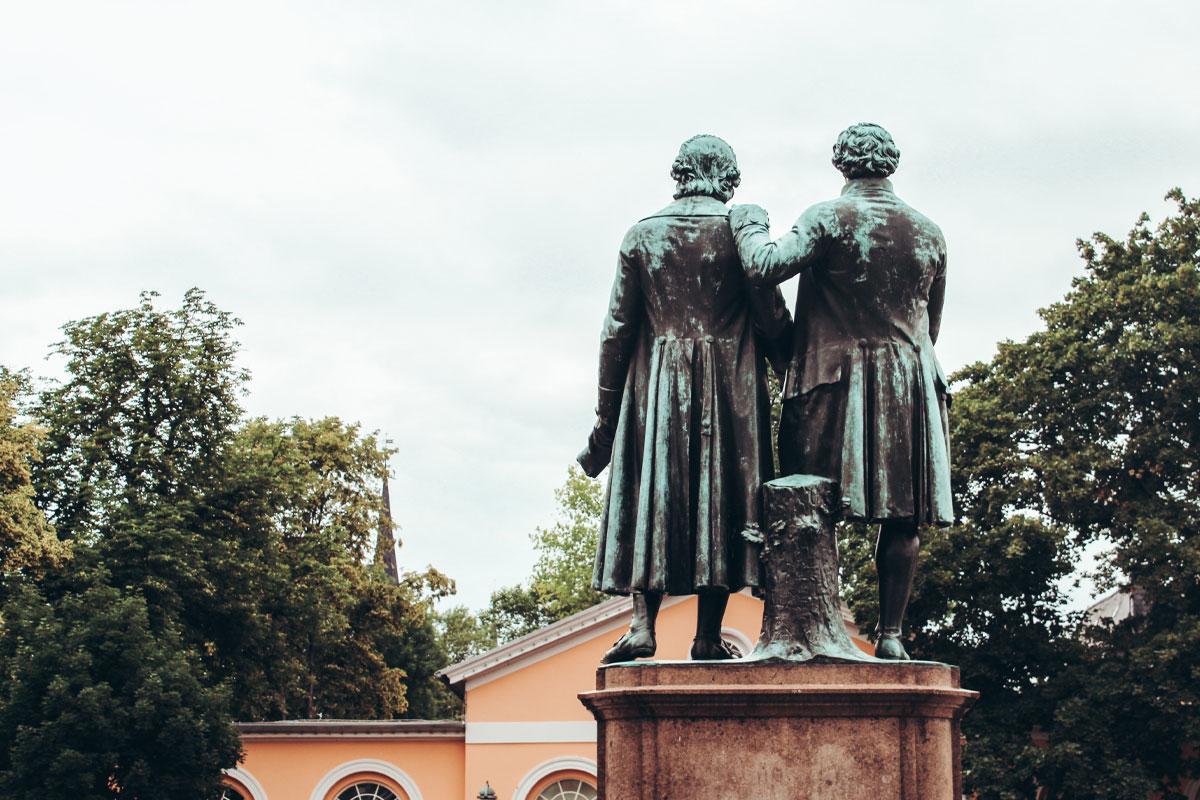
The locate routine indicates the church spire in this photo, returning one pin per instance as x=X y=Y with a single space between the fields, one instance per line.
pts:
x=385 y=542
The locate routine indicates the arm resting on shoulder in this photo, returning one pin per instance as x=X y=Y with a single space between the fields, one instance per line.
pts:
x=769 y=263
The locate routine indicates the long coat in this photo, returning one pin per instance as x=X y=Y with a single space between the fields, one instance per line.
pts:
x=684 y=340
x=865 y=396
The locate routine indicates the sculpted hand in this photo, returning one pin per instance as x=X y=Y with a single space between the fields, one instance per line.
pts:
x=749 y=214
x=598 y=452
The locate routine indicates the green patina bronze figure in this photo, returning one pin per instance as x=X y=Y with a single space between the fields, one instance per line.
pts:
x=683 y=412
x=864 y=397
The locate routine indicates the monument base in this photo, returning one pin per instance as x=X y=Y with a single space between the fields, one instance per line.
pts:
x=779 y=730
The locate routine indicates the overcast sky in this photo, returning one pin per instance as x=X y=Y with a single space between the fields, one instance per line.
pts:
x=415 y=208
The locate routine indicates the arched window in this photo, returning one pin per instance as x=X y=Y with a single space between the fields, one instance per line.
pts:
x=738 y=642
x=568 y=789
x=367 y=791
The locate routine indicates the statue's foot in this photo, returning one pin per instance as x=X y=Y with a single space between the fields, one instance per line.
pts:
x=634 y=644
x=711 y=650
x=888 y=647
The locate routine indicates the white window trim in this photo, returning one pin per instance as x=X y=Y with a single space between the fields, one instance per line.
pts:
x=249 y=781
x=366 y=765
x=743 y=641
x=548 y=768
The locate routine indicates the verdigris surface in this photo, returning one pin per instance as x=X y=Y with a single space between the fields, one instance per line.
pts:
x=802 y=616
x=864 y=398
x=683 y=412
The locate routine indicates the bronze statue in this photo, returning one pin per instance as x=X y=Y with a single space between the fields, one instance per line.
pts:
x=864 y=401
x=683 y=412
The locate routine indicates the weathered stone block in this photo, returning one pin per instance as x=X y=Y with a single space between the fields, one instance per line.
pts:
x=779 y=730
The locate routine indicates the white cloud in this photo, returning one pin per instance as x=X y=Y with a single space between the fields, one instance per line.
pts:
x=415 y=207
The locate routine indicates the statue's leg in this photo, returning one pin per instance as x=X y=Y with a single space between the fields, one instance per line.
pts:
x=896 y=562
x=640 y=641
x=708 y=644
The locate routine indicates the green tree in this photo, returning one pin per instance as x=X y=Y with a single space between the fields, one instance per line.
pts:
x=1084 y=435
x=562 y=575
x=131 y=438
x=560 y=585
x=308 y=627
x=97 y=704
x=148 y=407
x=28 y=544
x=462 y=635
x=247 y=537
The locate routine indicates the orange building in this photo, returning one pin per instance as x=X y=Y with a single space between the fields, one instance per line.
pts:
x=524 y=734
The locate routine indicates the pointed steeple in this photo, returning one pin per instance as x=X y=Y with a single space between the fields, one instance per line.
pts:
x=385 y=542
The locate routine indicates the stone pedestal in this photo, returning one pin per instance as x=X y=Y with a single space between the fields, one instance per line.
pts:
x=771 y=729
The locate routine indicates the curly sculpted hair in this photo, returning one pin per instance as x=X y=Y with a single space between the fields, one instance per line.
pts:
x=865 y=150
x=705 y=166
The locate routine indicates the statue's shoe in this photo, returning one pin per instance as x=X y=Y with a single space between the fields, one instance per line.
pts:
x=888 y=647
x=711 y=650
x=630 y=646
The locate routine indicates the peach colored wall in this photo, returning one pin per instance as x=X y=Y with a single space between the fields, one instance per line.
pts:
x=547 y=689
x=289 y=768
x=544 y=691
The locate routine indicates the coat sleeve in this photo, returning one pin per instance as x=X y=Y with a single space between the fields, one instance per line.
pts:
x=619 y=334
x=937 y=296
x=618 y=337
x=769 y=263
x=772 y=325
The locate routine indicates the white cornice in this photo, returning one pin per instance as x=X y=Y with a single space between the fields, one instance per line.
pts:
x=542 y=637
x=352 y=729
x=531 y=732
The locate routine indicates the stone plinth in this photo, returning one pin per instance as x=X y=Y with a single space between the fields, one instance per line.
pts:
x=779 y=730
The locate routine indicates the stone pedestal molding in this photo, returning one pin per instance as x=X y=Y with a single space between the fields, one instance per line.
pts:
x=771 y=729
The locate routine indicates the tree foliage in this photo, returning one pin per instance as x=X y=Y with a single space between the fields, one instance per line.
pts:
x=307 y=626
x=97 y=704
x=560 y=584
x=28 y=545
x=148 y=407
x=1082 y=437
x=232 y=555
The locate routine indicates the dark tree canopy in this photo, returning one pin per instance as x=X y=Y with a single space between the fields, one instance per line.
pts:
x=1083 y=436
x=96 y=704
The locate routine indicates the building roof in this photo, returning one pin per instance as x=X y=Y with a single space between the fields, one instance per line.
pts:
x=342 y=728
x=555 y=638
x=1116 y=606
x=542 y=642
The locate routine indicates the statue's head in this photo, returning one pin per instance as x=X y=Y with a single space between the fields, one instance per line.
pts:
x=705 y=166
x=865 y=150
